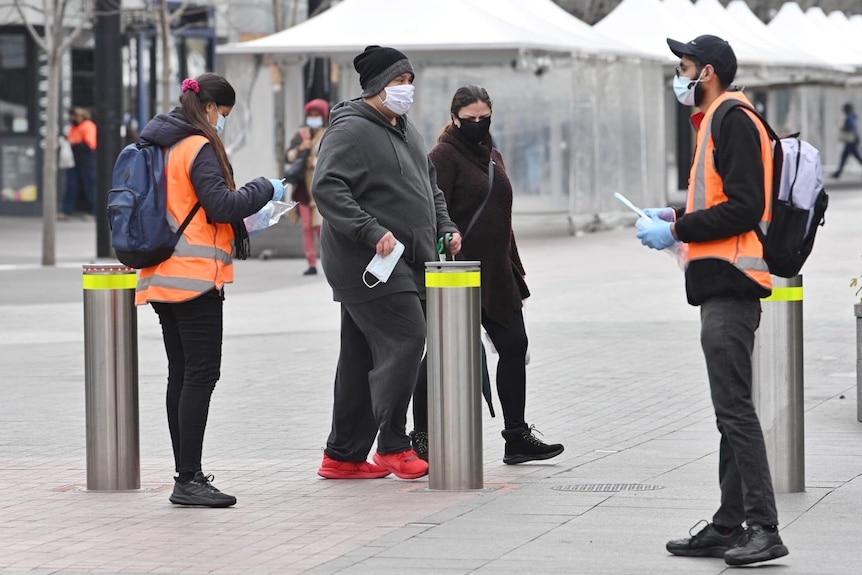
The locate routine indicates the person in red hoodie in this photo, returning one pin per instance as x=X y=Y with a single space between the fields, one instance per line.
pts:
x=81 y=178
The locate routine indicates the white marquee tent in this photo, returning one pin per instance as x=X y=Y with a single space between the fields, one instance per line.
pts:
x=586 y=122
x=429 y=31
x=815 y=35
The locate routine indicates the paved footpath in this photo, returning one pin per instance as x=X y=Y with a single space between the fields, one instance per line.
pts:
x=616 y=375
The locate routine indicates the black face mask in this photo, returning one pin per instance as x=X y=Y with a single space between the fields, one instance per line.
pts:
x=475 y=132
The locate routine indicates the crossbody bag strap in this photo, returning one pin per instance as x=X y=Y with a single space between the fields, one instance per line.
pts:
x=484 y=202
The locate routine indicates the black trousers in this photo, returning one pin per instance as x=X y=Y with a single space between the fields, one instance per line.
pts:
x=846 y=152
x=511 y=344
x=192 y=331
x=727 y=336
x=381 y=348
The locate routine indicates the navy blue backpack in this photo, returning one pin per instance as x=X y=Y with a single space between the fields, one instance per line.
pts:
x=137 y=208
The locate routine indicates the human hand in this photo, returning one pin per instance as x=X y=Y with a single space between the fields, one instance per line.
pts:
x=277 y=189
x=305 y=145
x=655 y=233
x=386 y=244
x=666 y=214
x=455 y=243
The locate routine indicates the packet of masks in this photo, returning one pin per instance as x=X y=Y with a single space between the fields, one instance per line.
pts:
x=381 y=266
x=267 y=216
x=678 y=251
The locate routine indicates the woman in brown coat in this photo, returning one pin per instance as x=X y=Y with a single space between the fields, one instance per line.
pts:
x=461 y=157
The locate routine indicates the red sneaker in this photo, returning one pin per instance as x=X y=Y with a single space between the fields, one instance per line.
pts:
x=333 y=469
x=404 y=464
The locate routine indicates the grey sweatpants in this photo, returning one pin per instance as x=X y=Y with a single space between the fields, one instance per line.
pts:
x=381 y=348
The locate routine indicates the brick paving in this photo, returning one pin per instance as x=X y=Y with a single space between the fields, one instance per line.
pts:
x=616 y=375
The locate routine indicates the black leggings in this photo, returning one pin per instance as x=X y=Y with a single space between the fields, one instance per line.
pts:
x=192 y=331
x=511 y=343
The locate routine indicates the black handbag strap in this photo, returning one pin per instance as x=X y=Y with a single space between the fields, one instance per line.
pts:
x=484 y=202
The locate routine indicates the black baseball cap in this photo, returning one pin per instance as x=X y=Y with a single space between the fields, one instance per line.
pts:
x=708 y=49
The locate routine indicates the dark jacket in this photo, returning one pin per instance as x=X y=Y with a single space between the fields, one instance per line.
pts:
x=741 y=170
x=462 y=174
x=218 y=201
x=373 y=177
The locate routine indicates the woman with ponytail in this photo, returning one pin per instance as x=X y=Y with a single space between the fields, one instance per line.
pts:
x=187 y=289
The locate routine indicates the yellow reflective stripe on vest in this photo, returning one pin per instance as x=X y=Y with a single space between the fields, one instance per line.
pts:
x=785 y=294
x=452 y=279
x=699 y=199
x=110 y=281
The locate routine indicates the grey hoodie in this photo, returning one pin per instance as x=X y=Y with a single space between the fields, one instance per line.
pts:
x=372 y=177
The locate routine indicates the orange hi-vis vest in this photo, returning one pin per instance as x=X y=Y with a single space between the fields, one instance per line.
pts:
x=202 y=258
x=84 y=133
x=706 y=189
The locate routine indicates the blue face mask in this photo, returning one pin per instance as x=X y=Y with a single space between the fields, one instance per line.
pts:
x=219 y=127
x=314 y=122
x=684 y=88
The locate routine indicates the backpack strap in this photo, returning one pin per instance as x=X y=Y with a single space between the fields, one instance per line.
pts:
x=484 y=202
x=777 y=151
x=146 y=144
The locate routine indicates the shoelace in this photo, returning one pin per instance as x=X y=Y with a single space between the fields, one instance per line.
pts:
x=528 y=435
x=207 y=482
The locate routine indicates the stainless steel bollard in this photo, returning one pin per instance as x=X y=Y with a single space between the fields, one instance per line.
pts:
x=454 y=375
x=857 y=310
x=111 y=374
x=778 y=383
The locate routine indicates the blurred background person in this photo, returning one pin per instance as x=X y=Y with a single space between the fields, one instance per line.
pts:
x=307 y=139
x=849 y=136
x=81 y=178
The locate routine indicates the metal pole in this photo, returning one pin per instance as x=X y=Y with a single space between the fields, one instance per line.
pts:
x=111 y=378
x=777 y=390
x=454 y=375
x=857 y=309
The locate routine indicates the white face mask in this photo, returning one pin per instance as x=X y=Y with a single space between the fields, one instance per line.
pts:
x=399 y=98
x=314 y=122
x=684 y=88
x=381 y=266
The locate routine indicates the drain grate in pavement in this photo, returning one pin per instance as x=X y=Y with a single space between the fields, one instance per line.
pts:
x=607 y=487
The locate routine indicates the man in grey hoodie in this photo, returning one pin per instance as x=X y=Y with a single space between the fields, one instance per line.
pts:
x=375 y=187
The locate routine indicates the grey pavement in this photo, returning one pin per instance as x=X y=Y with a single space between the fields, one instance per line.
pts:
x=616 y=375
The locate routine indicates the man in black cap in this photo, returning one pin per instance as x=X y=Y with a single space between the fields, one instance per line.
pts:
x=376 y=190
x=729 y=197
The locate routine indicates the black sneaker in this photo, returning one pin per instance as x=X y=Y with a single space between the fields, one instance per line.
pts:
x=522 y=445
x=419 y=442
x=708 y=542
x=311 y=271
x=758 y=544
x=199 y=491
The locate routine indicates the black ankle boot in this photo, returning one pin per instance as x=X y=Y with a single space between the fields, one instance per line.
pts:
x=522 y=445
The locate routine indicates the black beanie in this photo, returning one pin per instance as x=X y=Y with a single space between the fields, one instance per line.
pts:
x=377 y=66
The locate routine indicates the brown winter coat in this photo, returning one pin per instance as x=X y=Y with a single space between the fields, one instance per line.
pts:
x=462 y=175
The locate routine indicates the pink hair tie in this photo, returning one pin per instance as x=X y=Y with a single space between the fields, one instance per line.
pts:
x=189 y=84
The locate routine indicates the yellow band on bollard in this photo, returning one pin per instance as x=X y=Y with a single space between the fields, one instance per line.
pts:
x=785 y=294
x=452 y=279
x=110 y=281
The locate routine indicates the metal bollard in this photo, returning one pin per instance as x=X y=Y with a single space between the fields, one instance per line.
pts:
x=857 y=310
x=454 y=375
x=778 y=383
x=111 y=378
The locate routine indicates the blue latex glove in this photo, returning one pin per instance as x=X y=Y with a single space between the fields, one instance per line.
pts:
x=655 y=233
x=666 y=214
x=277 y=190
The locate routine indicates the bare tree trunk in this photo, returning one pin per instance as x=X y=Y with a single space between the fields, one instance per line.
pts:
x=54 y=43
x=49 y=166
